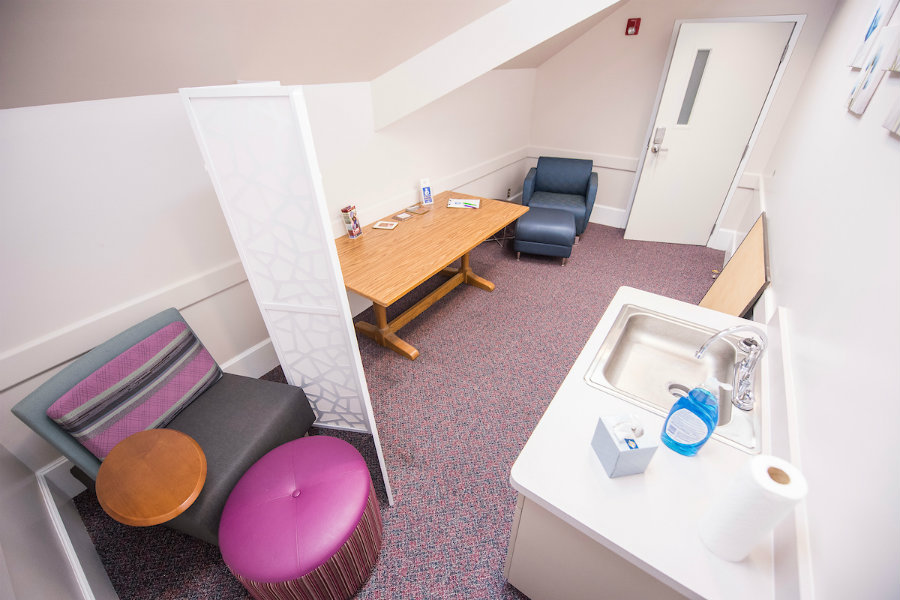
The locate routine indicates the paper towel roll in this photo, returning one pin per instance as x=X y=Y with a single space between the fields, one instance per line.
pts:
x=765 y=491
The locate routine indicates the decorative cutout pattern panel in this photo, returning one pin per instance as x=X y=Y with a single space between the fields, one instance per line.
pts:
x=260 y=168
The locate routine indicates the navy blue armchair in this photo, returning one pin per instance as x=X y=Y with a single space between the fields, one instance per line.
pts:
x=564 y=184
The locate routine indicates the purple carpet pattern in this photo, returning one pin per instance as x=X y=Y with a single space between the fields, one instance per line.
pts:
x=452 y=422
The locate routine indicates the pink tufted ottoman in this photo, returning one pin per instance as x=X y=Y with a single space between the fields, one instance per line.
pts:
x=303 y=522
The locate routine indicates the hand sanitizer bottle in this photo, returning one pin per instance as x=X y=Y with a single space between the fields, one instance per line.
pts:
x=692 y=419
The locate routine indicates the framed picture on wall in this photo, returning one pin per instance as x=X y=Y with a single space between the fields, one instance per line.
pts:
x=883 y=11
x=873 y=70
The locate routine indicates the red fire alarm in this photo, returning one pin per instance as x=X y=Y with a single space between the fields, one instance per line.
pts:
x=632 y=27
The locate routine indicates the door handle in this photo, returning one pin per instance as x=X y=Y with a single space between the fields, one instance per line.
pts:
x=658 y=137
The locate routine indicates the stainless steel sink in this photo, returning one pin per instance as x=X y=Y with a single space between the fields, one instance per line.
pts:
x=648 y=360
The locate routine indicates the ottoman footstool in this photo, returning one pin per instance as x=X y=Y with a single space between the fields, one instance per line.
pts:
x=303 y=522
x=545 y=231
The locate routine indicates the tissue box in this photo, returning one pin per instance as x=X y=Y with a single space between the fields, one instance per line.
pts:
x=621 y=453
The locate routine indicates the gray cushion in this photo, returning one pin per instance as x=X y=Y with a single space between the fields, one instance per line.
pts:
x=546 y=231
x=563 y=175
x=567 y=202
x=236 y=422
x=547 y=225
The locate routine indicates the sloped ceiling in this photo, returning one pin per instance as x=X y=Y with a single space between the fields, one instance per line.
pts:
x=538 y=55
x=55 y=51
x=481 y=46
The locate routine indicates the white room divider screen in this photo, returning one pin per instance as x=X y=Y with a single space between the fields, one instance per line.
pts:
x=259 y=153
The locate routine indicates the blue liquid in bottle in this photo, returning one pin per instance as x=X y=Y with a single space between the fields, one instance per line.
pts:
x=691 y=421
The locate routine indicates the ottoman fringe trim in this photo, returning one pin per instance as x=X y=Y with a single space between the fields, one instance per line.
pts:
x=341 y=576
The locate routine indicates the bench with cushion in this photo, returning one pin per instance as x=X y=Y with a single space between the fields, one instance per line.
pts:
x=157 y=374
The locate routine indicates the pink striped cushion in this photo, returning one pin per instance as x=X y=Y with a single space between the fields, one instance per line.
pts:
x=144 y=387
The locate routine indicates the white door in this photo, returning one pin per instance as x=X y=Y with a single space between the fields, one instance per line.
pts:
x=718 y=80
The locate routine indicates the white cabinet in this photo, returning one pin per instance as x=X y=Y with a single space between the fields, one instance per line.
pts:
x=549 y=559
x=580 y=534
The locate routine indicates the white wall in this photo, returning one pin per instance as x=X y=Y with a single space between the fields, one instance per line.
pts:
x=474 y=140
x=594 y=98
x=833 y=201
x=108 y=217
x=472 y=133
x=32 y=565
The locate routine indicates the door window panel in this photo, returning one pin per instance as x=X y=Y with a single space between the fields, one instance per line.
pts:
x=690 y=94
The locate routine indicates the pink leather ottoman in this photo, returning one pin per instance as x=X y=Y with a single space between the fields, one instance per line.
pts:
x=303 y=522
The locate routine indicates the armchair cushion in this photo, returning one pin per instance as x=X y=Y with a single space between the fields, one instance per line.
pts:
x=144 y=387
x=563 y=175
x=570 y=203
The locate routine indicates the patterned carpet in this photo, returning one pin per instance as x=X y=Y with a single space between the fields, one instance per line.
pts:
x=451 y=422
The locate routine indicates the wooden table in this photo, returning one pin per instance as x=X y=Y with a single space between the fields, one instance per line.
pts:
x=385 y=265
x=151 y=477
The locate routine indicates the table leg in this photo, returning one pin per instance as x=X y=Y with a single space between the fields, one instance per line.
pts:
x=382 y=333
x=471 y=278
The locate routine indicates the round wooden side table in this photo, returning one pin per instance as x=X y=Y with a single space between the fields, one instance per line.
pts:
x=151 y=477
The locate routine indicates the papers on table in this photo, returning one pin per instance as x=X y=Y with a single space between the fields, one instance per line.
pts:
x=463 y=203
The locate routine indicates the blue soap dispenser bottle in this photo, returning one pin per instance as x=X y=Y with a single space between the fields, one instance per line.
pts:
x=692 y=419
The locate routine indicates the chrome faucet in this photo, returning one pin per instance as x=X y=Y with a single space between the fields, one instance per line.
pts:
x=742 y=396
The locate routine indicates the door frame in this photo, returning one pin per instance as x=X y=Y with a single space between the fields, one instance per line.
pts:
x=798 y=21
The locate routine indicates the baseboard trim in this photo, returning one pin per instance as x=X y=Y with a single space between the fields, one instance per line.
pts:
x=610 y=216
x=792 y=537
x=803 y=544
x=254 y=362
x=607 y=215
x=66 y=343
x=750 y=181
x=724 y=239
x=483 y=169
x=398 y=202
x=59 y=527
x=601 y=161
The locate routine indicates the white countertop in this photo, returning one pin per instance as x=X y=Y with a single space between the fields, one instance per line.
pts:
x=650 y=519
